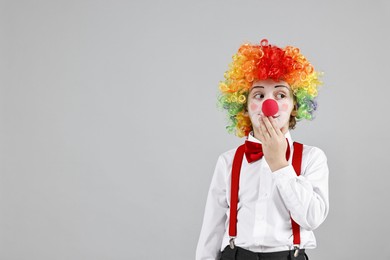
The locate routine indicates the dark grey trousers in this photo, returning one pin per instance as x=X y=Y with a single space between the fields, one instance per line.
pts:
x=239 y=253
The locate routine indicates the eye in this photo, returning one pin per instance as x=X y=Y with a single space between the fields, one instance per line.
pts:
x=258 y=96
x=280 y=95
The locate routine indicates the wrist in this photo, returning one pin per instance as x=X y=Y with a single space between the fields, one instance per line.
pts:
x=278 y=165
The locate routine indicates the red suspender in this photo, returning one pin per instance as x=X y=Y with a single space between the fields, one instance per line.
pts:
x=296 y=162
x=236 y=169
x=235 y=180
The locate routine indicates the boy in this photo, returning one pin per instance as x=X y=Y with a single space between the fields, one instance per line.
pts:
x=267 y=196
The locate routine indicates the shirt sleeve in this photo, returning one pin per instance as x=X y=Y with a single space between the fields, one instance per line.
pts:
x=306 y=196
x=213 y=227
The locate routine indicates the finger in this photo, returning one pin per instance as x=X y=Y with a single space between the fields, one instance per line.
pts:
x=269 y=126
x=261 y=135
x=264 y=129
x=276 y=127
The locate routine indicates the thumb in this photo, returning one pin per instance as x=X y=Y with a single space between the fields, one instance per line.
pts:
x=284 y=129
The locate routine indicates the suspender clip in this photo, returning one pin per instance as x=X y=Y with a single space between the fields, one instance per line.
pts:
x=231 y=242
x=296 y=252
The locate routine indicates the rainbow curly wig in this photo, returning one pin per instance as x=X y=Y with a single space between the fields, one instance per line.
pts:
x=260 y=62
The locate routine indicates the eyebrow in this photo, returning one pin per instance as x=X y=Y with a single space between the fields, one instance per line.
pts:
x=281 y=86
x=277 y=86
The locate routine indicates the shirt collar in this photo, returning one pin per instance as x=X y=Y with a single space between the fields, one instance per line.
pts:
x=255 y=140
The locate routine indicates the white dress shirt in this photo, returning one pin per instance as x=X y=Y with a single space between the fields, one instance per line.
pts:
x=266 y=200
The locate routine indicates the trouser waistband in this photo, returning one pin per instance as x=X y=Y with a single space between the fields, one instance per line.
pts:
x=239 y=253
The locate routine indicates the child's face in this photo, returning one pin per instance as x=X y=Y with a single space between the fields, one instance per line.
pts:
x=269 y=89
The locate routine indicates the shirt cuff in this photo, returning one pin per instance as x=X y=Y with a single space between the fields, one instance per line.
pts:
x=284 y=174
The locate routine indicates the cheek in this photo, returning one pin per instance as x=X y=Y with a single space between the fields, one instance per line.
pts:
x=253 y=107
x=284 y=107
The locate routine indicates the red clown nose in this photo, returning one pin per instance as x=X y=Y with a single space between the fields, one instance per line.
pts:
x=270 y=107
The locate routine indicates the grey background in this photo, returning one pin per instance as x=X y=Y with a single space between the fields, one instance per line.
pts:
x=110 y=132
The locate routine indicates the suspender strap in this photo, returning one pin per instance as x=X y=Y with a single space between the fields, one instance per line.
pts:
x=296 y=162
x=236 y=169
x=235 y=180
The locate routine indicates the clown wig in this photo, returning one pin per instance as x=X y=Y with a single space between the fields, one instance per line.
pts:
x=265 y=61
